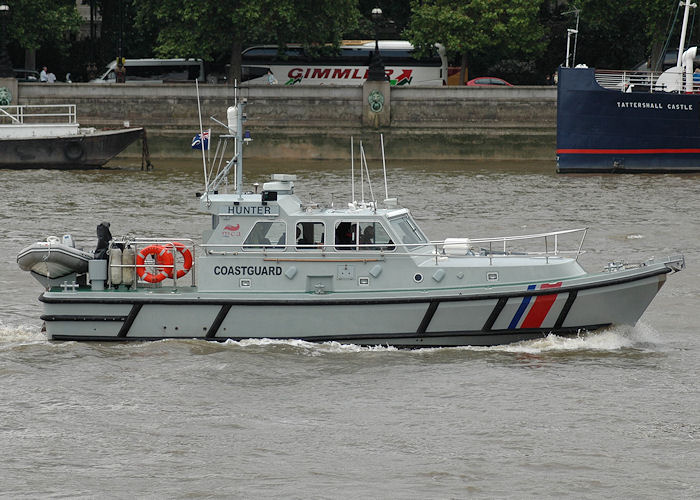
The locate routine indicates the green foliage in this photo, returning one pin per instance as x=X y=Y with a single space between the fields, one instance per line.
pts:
x=207 y=29
x=476 y=26
x=36 y=23
x=192 y=28
x=619 y=35
x=119 y=27
x=312 y=23
x=611 y=33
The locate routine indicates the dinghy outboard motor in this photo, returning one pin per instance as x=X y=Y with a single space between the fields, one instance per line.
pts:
x=104 y=236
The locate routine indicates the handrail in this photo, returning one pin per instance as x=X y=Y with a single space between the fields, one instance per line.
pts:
x=639 y=81
x=434 y=249
x=19 y=113
x=525 y=236
x=2 y=110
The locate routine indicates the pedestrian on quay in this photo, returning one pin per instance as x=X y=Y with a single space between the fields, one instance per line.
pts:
x=271 y=80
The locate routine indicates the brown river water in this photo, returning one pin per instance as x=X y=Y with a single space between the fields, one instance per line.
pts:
x=613 y=414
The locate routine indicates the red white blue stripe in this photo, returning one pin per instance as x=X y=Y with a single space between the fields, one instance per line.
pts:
x=534 y=309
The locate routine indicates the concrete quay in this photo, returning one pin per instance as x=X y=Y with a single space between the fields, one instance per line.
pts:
x=418 y=123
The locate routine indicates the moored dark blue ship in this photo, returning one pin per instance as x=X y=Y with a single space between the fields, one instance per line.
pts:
x=629 y=121
x=604 y=130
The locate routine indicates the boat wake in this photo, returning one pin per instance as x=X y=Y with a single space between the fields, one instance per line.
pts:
x=641 y=337
x=309 y=348
x=21 y=334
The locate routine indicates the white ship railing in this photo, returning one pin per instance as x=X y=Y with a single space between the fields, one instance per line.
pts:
x=637 y=81
x=518 y=245
x=540 y=244
x=39 y=113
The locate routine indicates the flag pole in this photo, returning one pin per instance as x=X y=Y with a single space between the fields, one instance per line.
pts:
x=352 y=169
x=201 y=138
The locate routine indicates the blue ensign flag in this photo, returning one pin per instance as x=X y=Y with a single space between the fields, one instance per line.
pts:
x=201 y=141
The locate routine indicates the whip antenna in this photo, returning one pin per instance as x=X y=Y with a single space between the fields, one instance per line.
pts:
x=201 y=135
x=386 y=188
x=352 y=169
x=369 y=181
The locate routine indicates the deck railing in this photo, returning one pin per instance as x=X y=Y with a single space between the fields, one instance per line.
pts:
x=638 y=81
x=39 y=113
x=549 y=245
x=540 y=244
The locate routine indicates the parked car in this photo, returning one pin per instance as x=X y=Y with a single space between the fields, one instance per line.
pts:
x=488 y=81
x=26 y=75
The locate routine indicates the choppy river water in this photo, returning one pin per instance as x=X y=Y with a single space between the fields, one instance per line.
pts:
x=613 y=414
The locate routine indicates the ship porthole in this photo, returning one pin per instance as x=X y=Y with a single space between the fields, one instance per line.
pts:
x=418 y=277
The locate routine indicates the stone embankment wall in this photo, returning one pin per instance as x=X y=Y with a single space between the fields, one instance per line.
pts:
x=443 y=123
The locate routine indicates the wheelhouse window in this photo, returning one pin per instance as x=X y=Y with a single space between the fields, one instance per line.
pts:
x=346 y=235
x=310 y=235
x=408 y=231
x=362 y=236
x=268 y=235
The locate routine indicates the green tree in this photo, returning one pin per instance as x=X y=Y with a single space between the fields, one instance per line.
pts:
x=118 y=27
x=207 y=28
x=619 y=35
x=34 y=24
x=470 y=28
x=395 y=16
x=612 y=34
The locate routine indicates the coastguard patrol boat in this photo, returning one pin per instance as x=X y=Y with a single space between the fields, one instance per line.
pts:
x=272 y=266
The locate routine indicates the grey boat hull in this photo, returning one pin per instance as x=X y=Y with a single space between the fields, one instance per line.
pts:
x=90 y=150
x=435 y=320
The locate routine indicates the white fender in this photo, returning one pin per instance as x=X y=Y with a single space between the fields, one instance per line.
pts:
x=128 y=260
x=115 y=270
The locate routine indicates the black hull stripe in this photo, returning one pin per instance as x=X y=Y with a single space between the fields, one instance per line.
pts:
x=374 y=338
x=82 y=317
x=84 y=299
x=211 y=333
x=428 y=317
x=495 y=313
x=129 y=320
x=565 y=310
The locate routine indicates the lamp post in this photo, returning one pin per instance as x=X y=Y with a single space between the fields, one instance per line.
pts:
x=376 y=65
x=120 y=70
x=91 y=68
x=5 y=62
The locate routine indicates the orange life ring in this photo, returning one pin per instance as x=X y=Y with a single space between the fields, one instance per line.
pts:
x=186 y=255
x=163 y=258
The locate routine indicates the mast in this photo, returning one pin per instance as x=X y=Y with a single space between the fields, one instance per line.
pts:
x=239 y=148
x=235 y=117
x=681 y=44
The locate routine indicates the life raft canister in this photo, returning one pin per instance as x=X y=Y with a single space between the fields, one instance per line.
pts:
x=186 y=255
x=164 y=262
